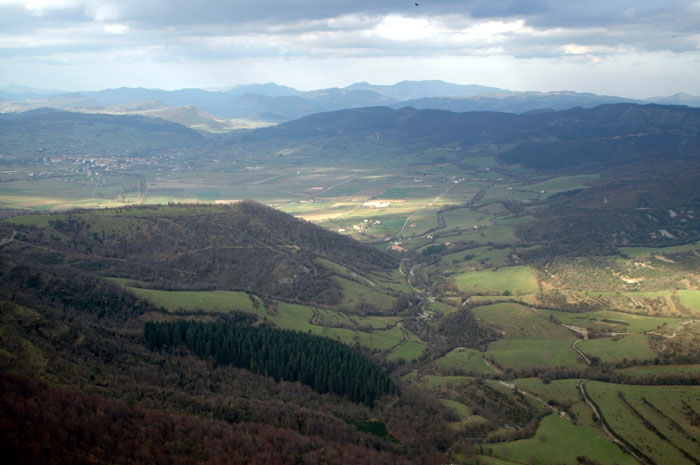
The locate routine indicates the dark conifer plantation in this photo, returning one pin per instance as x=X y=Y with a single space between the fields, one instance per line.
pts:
x=321 y=363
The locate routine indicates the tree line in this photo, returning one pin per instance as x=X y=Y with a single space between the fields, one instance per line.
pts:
x=327 y=366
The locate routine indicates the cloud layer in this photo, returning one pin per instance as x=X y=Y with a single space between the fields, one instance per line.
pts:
x=75 y=34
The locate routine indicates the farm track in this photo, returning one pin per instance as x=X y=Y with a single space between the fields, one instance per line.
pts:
x=580 y=352
x=584 y=332
x=554 y=409
x=576 y=330
x=332 y=187
x=675 y=333
x=492 y=365
x=399 y=325
x=581 y=332
x=417 y=211
x=7 y=240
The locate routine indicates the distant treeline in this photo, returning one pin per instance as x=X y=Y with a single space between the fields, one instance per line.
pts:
x=321 y=363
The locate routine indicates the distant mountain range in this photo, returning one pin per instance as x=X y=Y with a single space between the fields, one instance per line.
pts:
x=260 y=104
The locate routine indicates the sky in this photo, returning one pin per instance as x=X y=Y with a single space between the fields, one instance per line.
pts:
x=629 y=48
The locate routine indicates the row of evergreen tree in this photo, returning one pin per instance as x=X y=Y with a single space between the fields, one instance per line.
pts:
x=323 y=364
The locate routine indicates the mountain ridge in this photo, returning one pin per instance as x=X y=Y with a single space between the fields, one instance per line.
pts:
x=277 y=103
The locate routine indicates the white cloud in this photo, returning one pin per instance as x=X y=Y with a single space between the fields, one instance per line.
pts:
x=116 y=28
x=400 y=28
x=573 y=49
x=40 y=7
x=106 y=12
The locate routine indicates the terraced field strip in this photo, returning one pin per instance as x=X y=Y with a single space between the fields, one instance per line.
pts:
x=612 y=436
x=645 y=420
x=659 y=423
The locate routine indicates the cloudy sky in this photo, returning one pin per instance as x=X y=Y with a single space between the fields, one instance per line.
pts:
x=631 y=48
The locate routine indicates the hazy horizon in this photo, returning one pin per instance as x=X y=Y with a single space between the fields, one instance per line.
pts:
x=55 y=91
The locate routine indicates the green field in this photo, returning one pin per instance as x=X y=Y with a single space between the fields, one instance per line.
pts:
x=475 y=257
x=211 y=301
x=690 y=298
x=515 y=280
x=533 y=353
x=409 y=350
x=649 y=251
x=434 y=381
x=518 y=321
x=558 y=441
x=499 y=233
x=465 y=218
x=291 y=316
x=610 y=320
x=468 y=360
x=461 y=409
x=420 y=223
x=645 y=370
x=561 y=184
x=377 y=322
x=410 y=193
x=355 y=294
x=483 y=300
x=330 y=318
x=441 y=307
x=564 y=391
x=614 y=349
x=393 y=281
x=380 y=334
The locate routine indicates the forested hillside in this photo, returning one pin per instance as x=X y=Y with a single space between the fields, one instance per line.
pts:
x=246 y=247
x=110 y=399
x=610 y=134
x=47 y=132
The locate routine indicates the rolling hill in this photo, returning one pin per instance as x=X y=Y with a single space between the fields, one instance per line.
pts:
x=607 y=134
x=52 y=132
